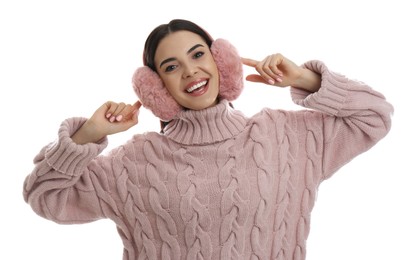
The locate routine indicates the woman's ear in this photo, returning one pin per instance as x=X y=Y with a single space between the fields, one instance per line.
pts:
x=153 y=94
x=230 y=69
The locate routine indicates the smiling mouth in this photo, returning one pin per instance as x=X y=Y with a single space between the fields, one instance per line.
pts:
x=196 y=86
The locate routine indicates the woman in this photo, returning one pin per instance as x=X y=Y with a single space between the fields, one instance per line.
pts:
x=214 y=184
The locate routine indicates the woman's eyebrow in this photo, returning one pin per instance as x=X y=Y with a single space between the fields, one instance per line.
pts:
x=189 y=51
x=194 y=47
x=167 y=60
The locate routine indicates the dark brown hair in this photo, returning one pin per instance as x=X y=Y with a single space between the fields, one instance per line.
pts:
x=163 y=30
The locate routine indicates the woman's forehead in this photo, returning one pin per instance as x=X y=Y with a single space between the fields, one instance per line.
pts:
x=177 y=43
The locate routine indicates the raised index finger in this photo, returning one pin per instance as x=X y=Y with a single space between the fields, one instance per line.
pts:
x=137 y=104
x=249 y=62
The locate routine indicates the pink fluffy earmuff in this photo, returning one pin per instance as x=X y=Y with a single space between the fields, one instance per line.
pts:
x=154 y=95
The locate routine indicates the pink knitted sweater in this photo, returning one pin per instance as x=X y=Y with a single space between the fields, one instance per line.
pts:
x=216 y=185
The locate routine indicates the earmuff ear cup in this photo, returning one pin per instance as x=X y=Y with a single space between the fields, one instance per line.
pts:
x=154 y=95
x=230 y=69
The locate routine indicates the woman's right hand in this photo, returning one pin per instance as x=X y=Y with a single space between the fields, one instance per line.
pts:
x=110 y=118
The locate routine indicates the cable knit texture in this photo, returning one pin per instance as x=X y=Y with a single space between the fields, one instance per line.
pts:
x=216 y=185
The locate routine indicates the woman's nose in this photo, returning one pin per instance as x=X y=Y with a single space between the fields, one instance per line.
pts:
x=189 y=71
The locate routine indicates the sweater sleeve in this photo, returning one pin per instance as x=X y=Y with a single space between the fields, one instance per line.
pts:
x=68 y=185
x=354 y=116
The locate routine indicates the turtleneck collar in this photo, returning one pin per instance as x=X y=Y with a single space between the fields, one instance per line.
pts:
x=210 y=125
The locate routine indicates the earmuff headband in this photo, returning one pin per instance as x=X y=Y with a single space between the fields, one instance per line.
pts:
x=154 y=95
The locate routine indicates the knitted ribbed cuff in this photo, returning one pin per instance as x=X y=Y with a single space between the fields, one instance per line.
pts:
x=68 y=157
x=331 y=96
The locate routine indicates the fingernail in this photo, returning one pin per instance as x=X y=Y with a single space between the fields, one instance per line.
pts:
x=119 y=118
x=270 y=81
x=112 y=119
x=108 y=115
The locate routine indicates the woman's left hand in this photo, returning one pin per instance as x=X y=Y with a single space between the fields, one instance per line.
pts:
x=275 y=69
x=278 y=70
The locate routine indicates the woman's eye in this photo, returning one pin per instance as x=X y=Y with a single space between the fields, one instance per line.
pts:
x=198 y=54
x=170 y=68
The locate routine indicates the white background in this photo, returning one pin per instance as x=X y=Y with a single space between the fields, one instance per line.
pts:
x=65 y=58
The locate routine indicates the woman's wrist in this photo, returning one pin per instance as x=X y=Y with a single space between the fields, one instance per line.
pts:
x=86 y=134
x=308 y=80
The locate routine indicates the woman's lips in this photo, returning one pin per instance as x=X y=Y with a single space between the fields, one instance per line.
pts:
x=199 y=88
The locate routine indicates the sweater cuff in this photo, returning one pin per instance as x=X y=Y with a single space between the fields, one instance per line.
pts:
x=66 y=156
x=331 y=96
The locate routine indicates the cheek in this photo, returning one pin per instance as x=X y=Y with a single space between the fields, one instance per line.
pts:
x=215 y=73
x=171 y=84
x=214 y=68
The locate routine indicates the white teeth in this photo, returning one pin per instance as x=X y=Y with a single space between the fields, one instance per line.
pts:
x=198 y=85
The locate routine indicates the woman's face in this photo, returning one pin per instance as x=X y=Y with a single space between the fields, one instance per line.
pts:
x=186 y=66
